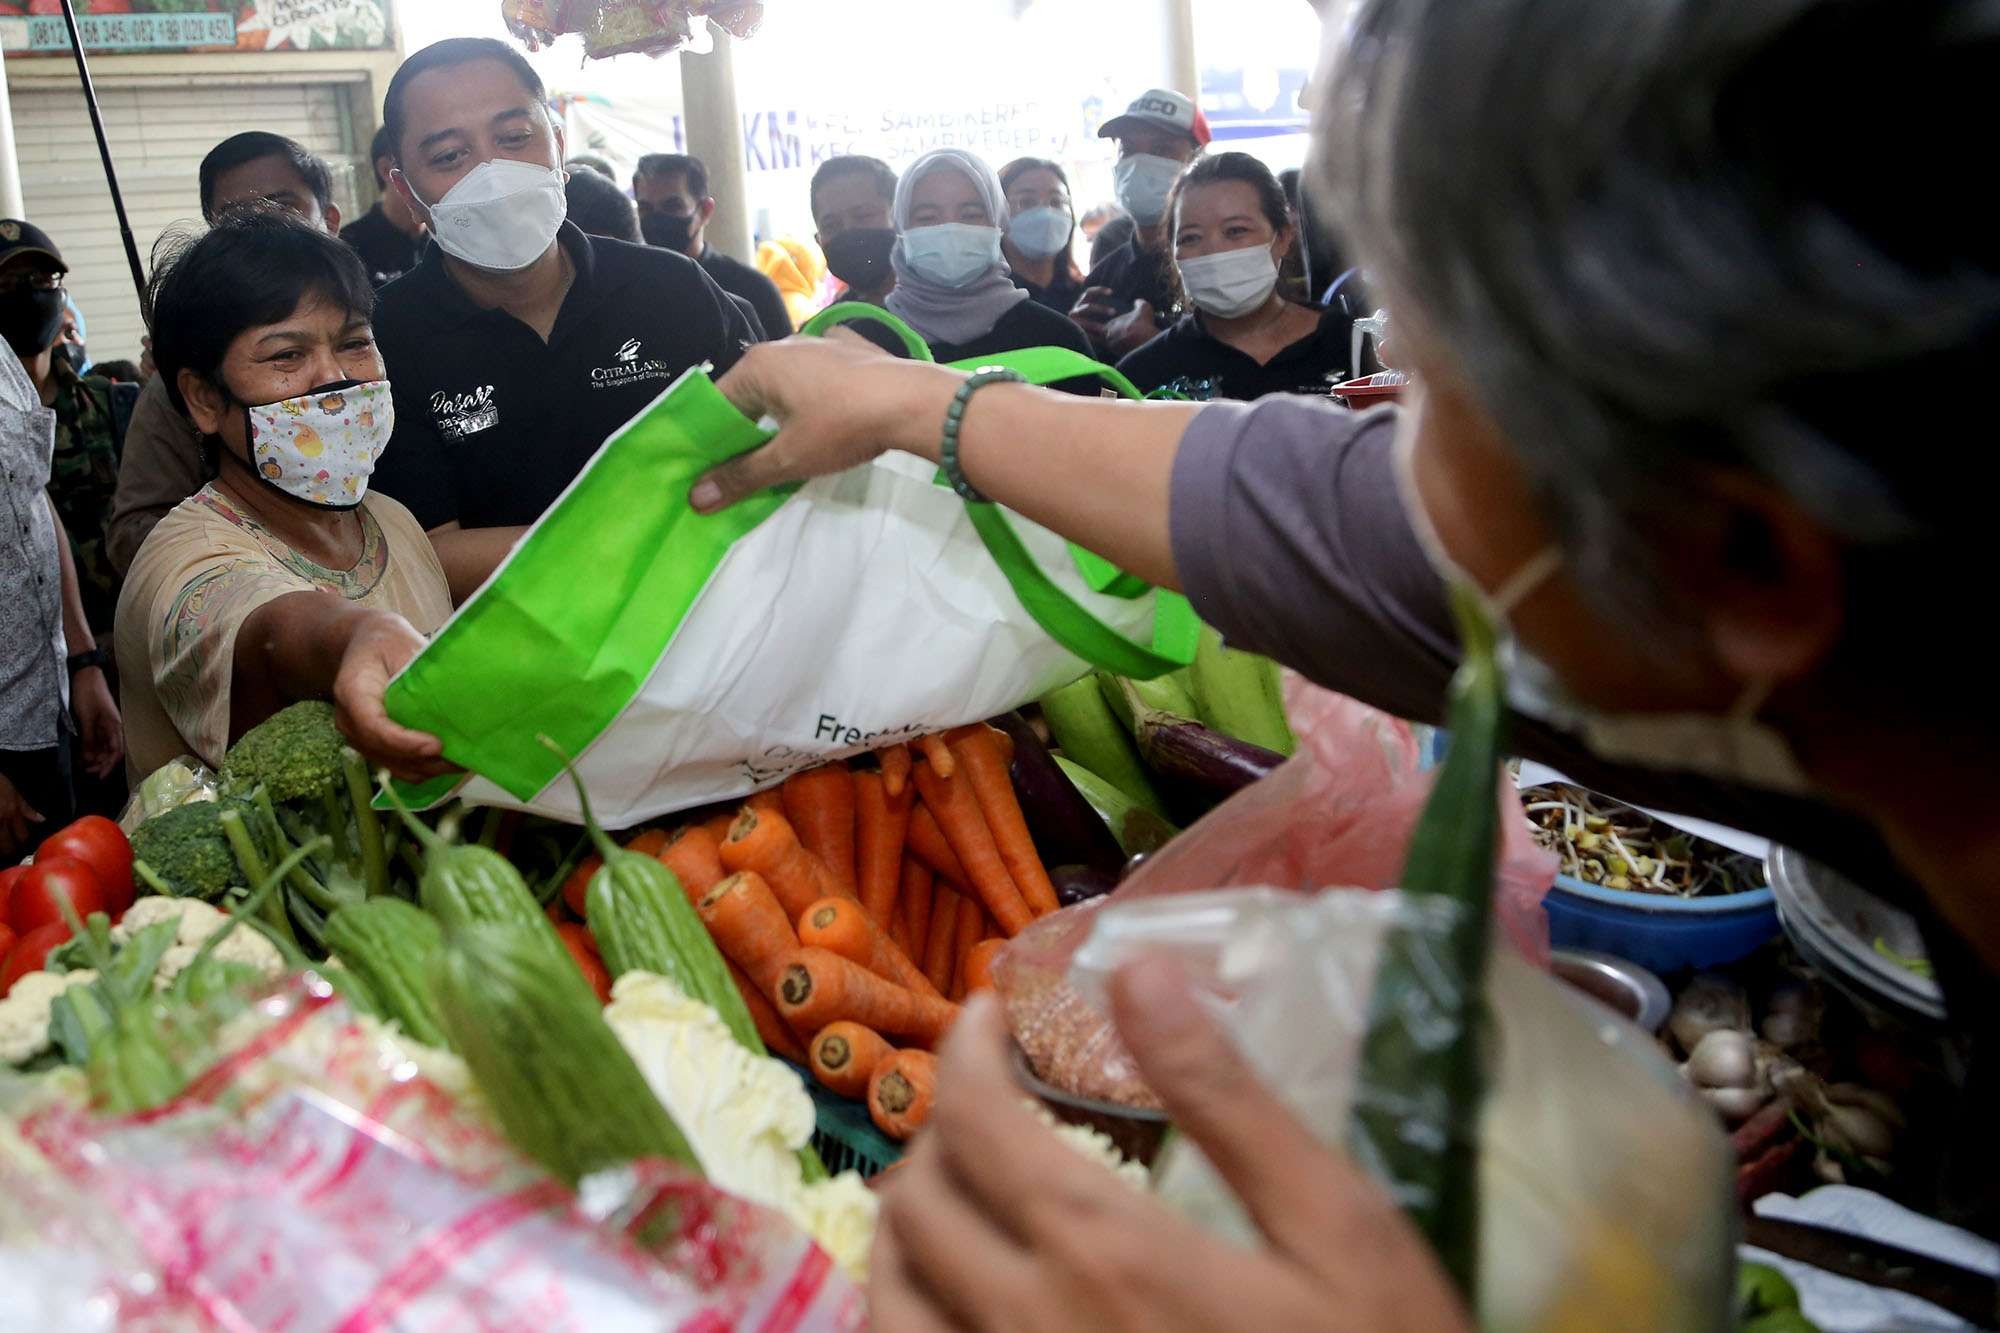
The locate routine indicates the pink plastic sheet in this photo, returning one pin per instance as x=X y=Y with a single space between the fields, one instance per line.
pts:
x=315 y=1181
x=1339 y=813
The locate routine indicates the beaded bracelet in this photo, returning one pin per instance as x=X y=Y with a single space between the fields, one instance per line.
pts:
x=954 y=419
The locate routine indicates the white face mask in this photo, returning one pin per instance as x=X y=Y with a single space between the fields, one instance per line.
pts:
x=321 y=447
x=1143 y=183
x=1732 y=747
x=950 y=254
x=1041 y=232
x=1231 y=283
x=502 y=215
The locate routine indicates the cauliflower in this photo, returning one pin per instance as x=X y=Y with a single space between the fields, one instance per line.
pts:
x=1099 y=1148
x=745 y=1116
x=196 y=921
x=24 y=1014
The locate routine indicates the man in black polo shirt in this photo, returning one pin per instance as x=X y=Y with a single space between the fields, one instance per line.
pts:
x=518 y=345
x=387 y=237
x=674 y=209
x=1127 y=295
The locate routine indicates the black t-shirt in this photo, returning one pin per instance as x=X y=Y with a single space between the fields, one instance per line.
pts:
x=739 y=279
x=1023 y=326
x=1061 y=293
x=491 y=422
x=1189 y=360
x=1134 y=275
x=388 y=253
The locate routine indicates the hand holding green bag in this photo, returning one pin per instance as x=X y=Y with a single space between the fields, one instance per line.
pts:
x=689 y=658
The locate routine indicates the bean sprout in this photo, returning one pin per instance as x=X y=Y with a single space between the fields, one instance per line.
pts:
x=1604 y=843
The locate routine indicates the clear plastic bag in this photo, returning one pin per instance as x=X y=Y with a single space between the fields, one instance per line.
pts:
x=183 y=781
x=323 y=1173
x=1605 y=1189
x=1339 y=812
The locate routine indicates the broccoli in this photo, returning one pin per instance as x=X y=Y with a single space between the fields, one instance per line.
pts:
x=305 y=782
x=184 y=853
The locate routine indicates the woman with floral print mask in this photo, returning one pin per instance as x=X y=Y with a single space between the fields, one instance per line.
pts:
x=284 y=578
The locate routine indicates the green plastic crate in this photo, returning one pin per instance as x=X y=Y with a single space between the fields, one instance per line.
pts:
x=845 y=1138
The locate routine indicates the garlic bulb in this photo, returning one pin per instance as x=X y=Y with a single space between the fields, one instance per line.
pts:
x=1709 y=1003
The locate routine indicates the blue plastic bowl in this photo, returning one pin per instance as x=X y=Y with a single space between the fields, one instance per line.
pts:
x=1660 y=931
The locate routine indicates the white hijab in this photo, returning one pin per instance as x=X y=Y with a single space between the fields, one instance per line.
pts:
x=952 y=314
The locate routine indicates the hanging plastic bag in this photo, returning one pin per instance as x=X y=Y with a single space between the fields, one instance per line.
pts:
x=1339 y=812
x=689 y=658
x=1604 y=1189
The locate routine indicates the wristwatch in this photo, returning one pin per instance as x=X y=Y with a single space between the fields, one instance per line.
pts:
x=96 y=657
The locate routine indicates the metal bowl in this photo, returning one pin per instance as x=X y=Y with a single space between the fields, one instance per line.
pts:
x=1138 y=1131
x=1624 y=987
x=1834 y=923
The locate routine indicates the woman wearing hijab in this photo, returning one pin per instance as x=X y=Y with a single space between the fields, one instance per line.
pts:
x=952 y=285
x=1040 y=245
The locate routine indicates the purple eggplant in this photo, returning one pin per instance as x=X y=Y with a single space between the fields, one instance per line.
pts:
x=1067 y=831
x=1076 y=884
x=1200 y=757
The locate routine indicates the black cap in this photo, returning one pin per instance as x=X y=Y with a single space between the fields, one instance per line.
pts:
x=25 y=238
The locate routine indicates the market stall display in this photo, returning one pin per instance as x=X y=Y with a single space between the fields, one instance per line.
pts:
x=620 y=27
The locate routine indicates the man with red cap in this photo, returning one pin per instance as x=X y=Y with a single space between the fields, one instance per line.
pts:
x=1131 y=288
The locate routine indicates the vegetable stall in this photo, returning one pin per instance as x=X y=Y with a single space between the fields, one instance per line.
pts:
x=714 y=1007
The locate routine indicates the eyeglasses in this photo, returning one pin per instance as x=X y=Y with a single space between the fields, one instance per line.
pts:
x=33 y=280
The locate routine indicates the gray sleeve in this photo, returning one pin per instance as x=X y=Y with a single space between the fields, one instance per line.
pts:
x=160 y=467
x=1291 y=539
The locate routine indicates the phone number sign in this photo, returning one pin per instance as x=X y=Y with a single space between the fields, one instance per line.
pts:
x=134 y=32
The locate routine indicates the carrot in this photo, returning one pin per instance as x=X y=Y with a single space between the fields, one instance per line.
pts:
x=844 y=1054
x=927 y=841
x=772 y=800
x=895 y=768
x=983 y=766
x=820 y=804
x=842 y=926
x=650 y=843
x=956 y=809
x=943 y=938
x=578 y=884
x=749 y=926
x=818 y=987
x=763 y=841
x=695 y=857
x=915 y=900
x=881 y=823
x=900 y=1093
x=582 y=948
x=938 y=752
x=976 y=970
x=971 y=929
x=778 y=1039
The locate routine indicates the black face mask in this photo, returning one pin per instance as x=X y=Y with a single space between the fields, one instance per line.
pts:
x=669 y=231
x=860 y=258
x=30 y=319
x=73 y=353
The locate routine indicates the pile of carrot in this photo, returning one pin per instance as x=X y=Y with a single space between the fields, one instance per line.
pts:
x=858 y=904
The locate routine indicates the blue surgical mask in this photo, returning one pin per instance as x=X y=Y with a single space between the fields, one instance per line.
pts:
x=1143 y=182
x=950 y=254
x=1041 y=232
x=1732 y=747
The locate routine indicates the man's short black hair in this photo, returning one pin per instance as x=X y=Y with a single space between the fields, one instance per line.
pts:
x=676 y=164
x=444 y=55
x=600 y=208
x=252 y=267
x=382 y=147
x=250 y=145
x=853 y=164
